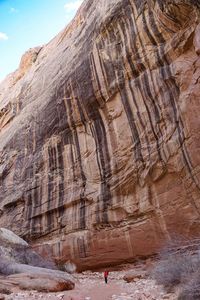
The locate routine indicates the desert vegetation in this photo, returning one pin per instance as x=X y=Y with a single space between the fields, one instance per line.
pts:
x=178 y=267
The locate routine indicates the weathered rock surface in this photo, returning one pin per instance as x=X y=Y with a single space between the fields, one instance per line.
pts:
x=10 y=238
x=34 y=278
x=99 y=136
x=40 y=281
x=14 y=250
x=27 y=269
x=134 y=275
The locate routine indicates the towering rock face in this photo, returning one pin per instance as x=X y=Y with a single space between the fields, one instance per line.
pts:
x=99 y=135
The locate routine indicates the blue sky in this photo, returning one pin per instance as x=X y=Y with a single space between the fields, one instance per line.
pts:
x=28 y=23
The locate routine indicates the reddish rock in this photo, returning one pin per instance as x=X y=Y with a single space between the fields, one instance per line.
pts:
x=134 y=275
x=99 y=137
x=41 y=282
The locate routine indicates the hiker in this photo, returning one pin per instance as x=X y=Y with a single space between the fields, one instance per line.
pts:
x=106 y=276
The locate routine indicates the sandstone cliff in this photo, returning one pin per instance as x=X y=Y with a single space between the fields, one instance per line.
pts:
x=99 y=133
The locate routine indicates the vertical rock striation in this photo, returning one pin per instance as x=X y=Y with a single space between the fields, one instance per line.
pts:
x=99 y=133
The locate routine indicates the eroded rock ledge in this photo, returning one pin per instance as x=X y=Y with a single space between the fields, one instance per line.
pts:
x=99 y=162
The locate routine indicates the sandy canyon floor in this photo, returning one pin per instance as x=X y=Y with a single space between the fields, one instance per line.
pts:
x=91 y=286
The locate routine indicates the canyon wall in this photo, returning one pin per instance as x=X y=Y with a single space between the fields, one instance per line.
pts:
x=99 y=134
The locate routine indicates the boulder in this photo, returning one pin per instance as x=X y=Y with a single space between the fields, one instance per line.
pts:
x=16 y=258
x=134 y=275
x=34 y=278
x=70 y=267
x=9 y=237
x=42 y=282
x=15 y=249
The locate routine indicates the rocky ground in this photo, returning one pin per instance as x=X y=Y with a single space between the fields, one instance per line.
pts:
x=91 y=286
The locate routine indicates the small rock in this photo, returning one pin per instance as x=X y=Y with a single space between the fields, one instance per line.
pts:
x=134 y=275
x=4 y=289
x=70 y=267
x=167 y=296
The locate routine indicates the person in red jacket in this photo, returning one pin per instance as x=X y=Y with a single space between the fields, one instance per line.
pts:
x=106 y=276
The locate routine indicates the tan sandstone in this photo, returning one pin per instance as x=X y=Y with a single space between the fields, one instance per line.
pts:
x=99 y=134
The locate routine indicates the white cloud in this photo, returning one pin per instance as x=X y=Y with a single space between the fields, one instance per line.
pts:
x=3 y=36
x=72 y=6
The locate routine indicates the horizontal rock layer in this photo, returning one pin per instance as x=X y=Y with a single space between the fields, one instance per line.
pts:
x=99 y=133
